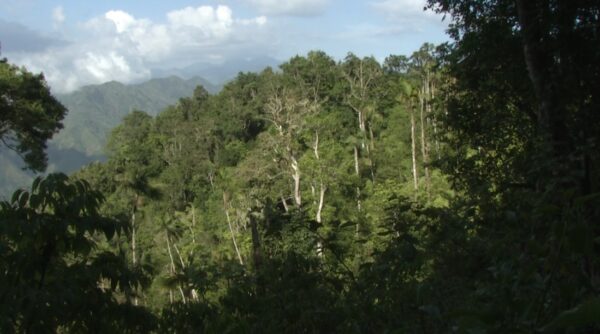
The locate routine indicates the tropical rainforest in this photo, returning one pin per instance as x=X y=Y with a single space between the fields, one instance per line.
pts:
x=92 y=112
x=452 y=190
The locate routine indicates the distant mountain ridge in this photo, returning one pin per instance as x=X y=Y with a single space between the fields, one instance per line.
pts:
x=93 y=111
x=220 y=73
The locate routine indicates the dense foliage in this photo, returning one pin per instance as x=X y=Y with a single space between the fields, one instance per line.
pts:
x=93 y=112
x=29 y=114
x=452 y=190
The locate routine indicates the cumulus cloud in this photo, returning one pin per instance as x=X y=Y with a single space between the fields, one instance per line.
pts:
x=121 y=19
x=290 y=7
x=119 y=46
x=58 y=15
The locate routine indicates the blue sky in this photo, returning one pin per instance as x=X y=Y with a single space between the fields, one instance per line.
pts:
x=86 y=42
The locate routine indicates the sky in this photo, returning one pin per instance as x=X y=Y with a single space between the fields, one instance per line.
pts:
x=81 y=42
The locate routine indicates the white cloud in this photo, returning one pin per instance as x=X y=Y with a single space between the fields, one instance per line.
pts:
x=58 y=15
x=111 y=66
x=261 y=20
x=405 y=10
x=119 y=46
x=210 y=23
x=290 y=7
x=121 y=19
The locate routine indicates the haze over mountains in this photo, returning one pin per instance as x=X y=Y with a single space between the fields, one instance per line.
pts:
x=219 y=73
x=95 y=109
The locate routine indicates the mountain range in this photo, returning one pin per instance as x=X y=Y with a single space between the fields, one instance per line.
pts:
x=93 y=111
x=220 y=73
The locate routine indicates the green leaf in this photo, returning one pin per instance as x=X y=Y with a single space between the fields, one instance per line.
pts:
x=584 y=314
x=35 y=183
x=16 y=195
x=23 y=199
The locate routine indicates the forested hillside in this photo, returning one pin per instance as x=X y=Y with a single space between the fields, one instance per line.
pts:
x=92 y=112
x=452 y=190
x=95 y=110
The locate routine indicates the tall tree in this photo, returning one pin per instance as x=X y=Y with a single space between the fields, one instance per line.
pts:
x=362 y=76
x=422 y=64
x=287 y=110
x=133 y=159
x=29 y=114
x=521 y=114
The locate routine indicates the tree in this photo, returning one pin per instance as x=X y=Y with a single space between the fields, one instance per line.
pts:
x=362 y=77
x=51 y=241
x=286 y=109
x=522 y=121
x=133 y=158
x=29 y=114
x=241 y=256
x=422 y=63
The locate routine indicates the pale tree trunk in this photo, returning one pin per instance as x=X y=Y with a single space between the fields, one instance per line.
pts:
x=369 y=147
x=322 y=191
x=366 y=140
x=195 y=296
x=179 y=255
x=316 y=145
x=296 y=177
x=226 y=208
x=285 y=205
x=356 y=166
x=210 y=179
x=322 y=186
x=413 y=149
x=363 y=128
x=361 y=82
x=357 y=170
x=194 y=293
x=173 y=271
x=318 y=217
x=434 y=120
x=424 y=153
x=358 y=201
x=319 y=248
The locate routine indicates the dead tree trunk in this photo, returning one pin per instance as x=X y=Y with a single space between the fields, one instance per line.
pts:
x=226 y=208
x=296 y=178
x=413 y=149
x=424 y=153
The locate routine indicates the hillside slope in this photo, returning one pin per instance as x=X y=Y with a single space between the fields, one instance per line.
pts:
x=93 y=111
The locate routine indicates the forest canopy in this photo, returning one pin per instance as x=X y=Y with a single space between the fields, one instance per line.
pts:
x=455 y=189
